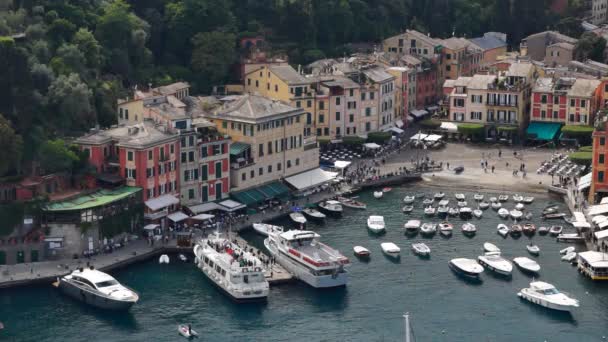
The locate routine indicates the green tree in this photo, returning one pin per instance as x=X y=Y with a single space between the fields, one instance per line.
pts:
x=212 y=56
x=89 y=46
x=590 y=46
x=71 y=99
x=11 y=147
x=60 y=31
x=570 y=26
x=69 y=59
x=55 y=156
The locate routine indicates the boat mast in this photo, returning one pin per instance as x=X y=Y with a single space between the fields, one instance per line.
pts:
x=407 y=327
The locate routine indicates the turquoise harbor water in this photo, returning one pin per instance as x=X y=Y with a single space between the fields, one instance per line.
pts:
x=443 y=307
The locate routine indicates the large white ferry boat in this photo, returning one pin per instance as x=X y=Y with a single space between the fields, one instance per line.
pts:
x=97 y=289
x=233 y=270
x=301 y=253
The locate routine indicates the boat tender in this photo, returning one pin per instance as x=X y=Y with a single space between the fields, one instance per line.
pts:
x=361 y=251
x=331 y=207
x=533 y=249
x=351 y=203
x=390 y=249
x=490 y=247
x=527 y=264
x=376 y=223
x=421 y=249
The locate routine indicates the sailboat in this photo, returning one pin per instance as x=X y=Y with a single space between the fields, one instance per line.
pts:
x=408 y=329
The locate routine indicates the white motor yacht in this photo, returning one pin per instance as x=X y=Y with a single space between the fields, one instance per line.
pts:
x=503 y=213
x=302 y=254
x=478 y=197
x=490 y=247
x=493 y=199
x=264 y=228
x=444 y=202
x=519 y=206
x=412 y=226
x=429 y=211
x=331 y=207
x=376 y=224
x=421 y=249
x=477 y=213
x=483 y=205
x=428 y=229
x=469 y=229
x=453 y=211
x=98 y=289
x=409 y=199
x=235 y=271
x=518 y=198
x=298 y=218
x=407 y=209
x=446 y=228
x=496 y=205
x=503 y=198
x=390 y=249
x=378 y=194
x=533 y=249
x=516 y=214
x=495 y=262
x=314 y=214
x=503 y=230
x=443 y=211
x=459 y=197
x=545 y=294
x=467 y=267
x=527 y=264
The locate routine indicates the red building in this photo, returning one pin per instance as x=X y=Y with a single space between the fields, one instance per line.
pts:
x=142 y=155
x=570 y=101
x=599 y=180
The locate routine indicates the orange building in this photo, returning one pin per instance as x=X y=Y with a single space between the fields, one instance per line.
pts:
x=599 y=181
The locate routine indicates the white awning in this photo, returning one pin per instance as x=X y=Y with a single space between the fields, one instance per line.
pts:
x=585 y=181
x=396 y=130
x=604 y=200
x=418 y=136
x=449 y=126
x=433 y=138
x=231 y=205
x=603 y=224
x=581 y=224
x=205 y=207
x=399 y=123
x=202 y=217
x=418 y=113
x=602 y=234
x=371 y=146
x=599 y=218
x=177 y=216
x=341 y=164
x=598 y=209
x=310 y=178
x=53 y=239
x=579 y=216
x=161 y=202
x=151 y=226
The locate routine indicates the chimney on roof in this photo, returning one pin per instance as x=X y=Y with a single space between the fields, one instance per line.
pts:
x=299 y=69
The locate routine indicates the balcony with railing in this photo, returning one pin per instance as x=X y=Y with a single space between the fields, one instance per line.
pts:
x=156 y=214
x=241 y=163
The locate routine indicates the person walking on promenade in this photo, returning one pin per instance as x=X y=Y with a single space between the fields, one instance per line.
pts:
x=493 y=168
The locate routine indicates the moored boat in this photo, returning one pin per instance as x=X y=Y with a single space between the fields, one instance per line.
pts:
x=361 y=252
x=529 y=229
x=468 y=229
x=462 y=204
x=186 y=331
x=533 y=249
x=502 y=230
x=518 y=198
x=527 y=264
x=331 y=207
x=569 y=257
x=453 y=211
x=298 y=218
x=459 y=197
x=496 y=205
x=516 y=214
x=546 y=295
x=465 y=213
x=493 y=199
x=503 y=213
x=570 y=237
x=490 y=247
x=477 y=213
x=427 y=202
x=429 y=211
x=567 y=250
x=467 y=267
x=302 y=254
x=528 y=199
x=421 y=249
x=519 y=206
x=556 y=230
x=390 y=249
x=478 y=197
x=407 y=209
x=444 y=202
x=516 y=230
x=428 y=229
x=445 y=228
x=503 y=198
x=314 y=214
x=97 y=289
x=442 y=212
x=264 y=228
x=376 y=223
x=495 y=262
x=412 y=226
x=387 y=189
x=543 y=230
x=409 y=199
x=236 y=272
x=484 y=205
x=439 y=195
x=351 y=203
x=378 y=194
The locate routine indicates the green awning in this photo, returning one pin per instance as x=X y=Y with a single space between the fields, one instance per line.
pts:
x=543 y=130
x=237 y=148
x=261 y=193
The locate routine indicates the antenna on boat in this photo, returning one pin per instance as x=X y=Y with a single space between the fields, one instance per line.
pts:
x=407 y=327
